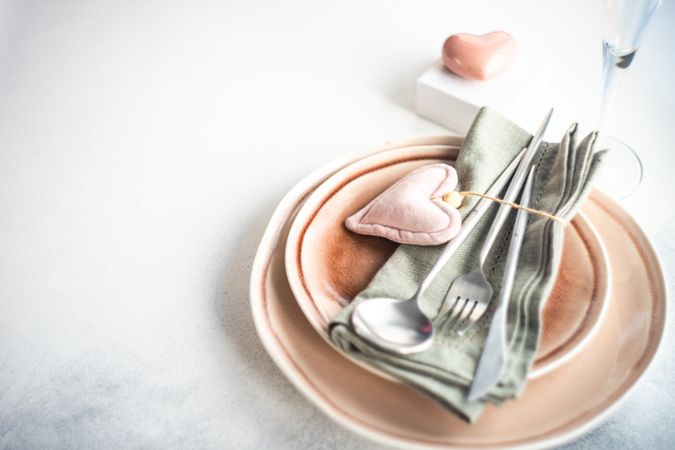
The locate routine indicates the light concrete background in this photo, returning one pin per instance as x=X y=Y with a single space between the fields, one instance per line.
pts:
x=143 y=147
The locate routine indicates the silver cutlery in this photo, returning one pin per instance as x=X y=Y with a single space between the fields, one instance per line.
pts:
x=400 y=326
x=493 y=357
x=470 y=294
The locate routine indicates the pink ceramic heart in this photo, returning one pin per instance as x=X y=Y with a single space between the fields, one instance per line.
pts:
x=479 y=57
x=411 y=210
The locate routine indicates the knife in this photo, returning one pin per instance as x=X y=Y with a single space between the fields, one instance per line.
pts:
x=493 y=357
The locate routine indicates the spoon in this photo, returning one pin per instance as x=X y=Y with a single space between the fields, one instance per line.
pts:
x=400 y=326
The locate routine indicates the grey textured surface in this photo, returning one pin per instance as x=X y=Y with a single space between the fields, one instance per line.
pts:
x=143 y=147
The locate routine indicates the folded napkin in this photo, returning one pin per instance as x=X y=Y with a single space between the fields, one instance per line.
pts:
x=444 y=372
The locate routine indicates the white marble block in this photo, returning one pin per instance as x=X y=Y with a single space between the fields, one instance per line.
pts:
x=521 y=94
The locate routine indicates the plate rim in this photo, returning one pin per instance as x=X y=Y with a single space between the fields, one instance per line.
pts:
x=268 y=247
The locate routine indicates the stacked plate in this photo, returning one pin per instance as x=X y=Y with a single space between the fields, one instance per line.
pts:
x=602 y=323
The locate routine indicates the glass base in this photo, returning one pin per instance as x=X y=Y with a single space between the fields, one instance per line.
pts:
x=622 y=169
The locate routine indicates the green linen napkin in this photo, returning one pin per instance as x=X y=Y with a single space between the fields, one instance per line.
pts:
x=444 y=372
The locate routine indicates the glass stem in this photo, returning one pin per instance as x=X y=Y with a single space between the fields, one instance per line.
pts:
x=614 y=69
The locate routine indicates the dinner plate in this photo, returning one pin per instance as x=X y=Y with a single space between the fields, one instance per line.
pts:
x=327 y=265
x=552 y=410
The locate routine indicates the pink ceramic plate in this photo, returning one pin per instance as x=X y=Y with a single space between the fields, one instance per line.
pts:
x=327 y=265
x=554 y=408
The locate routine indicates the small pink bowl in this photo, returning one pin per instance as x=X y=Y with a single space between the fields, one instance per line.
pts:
x=328 y=265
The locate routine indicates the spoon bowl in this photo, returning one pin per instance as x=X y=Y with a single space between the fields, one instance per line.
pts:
x=393 y=325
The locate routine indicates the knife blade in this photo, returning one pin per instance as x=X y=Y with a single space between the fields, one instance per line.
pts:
x=493 y=357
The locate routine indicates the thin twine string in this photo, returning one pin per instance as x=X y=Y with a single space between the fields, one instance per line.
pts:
x=455 y=198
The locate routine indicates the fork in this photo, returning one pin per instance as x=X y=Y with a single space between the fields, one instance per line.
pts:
x=469 y=295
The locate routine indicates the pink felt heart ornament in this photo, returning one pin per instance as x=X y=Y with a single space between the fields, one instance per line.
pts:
x=411 y=211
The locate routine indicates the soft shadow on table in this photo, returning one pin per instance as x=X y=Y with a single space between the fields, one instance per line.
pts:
x=266 y=389
x=232 y=299
x=400 y=86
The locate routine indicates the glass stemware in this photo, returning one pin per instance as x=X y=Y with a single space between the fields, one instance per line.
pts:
x=624 y=25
